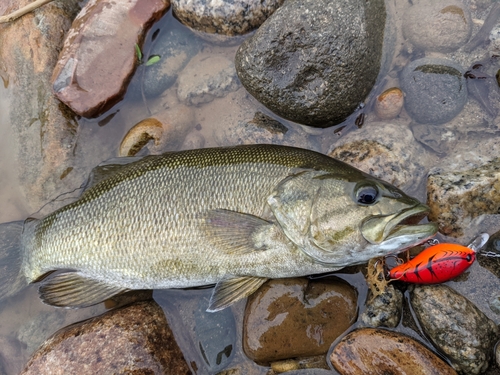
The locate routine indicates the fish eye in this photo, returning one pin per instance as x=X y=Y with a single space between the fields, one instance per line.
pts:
x=468 y=258
x=367 y=195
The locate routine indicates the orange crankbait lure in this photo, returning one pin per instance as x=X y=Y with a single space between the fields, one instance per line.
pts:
x=436 y=264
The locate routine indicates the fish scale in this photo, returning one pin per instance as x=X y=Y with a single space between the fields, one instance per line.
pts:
x=233 y=216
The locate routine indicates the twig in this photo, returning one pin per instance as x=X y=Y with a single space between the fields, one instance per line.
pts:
x=21 y=12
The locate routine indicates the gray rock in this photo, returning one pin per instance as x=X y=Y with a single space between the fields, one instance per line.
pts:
x=202 y=86
x=314 y=61
x=227 y=17
x=435 y=90
x=456 y=198
x=385 y=309
x=175 y=47
x=441 y=26
x=384 y=150
x=456 y=327
x=489 y=258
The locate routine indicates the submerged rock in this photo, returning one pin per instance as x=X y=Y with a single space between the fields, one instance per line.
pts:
x=291 y=318
x=314 y=61
x=389 y=104
x=456 y=327
x=99 y=53
x=456 y=198
x=133 y=339
x=442 y=26
x=435 y=90
x=384 y=150
x=45 y=131
x=377 y=351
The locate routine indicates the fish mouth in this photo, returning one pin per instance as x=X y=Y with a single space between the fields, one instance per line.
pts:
x=377 y=229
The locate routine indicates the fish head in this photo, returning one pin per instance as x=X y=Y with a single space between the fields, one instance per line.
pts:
x=347 y=219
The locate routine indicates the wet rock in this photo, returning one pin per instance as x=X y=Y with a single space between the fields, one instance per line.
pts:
x=384 y=150
x=291 y=318
x=317 y=363
x=384 y=310
x=250 y=127
x=175 y=47
x=482 y=84
x=435 y=90
x=227 y=17
x=140 y=135
x=497 y=354
x=133 y=339
x=99 y=57
x=376 y=351
x=439 y=139
x=442 y=26
x=45 y=131
x=193 y=141
x=314 y=62
x=456 y=198
x=216 y=336
x=389 y=104
x=217 y=80
x=456 y=327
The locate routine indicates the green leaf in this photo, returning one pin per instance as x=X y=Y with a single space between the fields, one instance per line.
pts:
x=138 y=52
x=153 y=59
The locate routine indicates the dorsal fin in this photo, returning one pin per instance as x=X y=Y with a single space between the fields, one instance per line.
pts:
x=107 y=169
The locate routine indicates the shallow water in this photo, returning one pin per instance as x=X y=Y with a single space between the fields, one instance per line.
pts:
x=99 y=139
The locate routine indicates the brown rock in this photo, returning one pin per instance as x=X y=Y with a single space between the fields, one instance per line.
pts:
x=99 y=57
x=133 y=339
x=291 y=318
x=456 y=198
x=379 y=352
x=389 y=104
x=45 y=130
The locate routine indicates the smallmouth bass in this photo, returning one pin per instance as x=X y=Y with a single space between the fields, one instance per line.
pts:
x=234 y=217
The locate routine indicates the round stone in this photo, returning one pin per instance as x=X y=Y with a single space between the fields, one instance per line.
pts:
x=440 y=26
x=435 y=90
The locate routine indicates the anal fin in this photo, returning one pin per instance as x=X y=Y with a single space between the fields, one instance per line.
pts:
x=232 y=289
x=74 y=290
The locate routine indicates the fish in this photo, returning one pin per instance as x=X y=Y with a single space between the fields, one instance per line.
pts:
x=435 y=264
x=231 y=217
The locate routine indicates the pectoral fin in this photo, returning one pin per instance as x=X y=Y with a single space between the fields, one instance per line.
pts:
x=234 y=232
x=73 y=289
x=232 y=289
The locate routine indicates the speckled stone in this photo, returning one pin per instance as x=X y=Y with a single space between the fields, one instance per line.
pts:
x=440 y=26
x=384 y=310
x=435 y=90
x=456 y=198
x=289 y=318
x=228 y=17
x=376 y=351
x=203 y=82
x=384 y=150
x=456 y=327
x=314 y=61
x=134 y=339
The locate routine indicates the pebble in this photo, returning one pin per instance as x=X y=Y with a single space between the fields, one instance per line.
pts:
x=310 y=64
x=455 y=326
x=133 y=339
x=384 y=309
x=455 y=198
x=175 y=47
x=376 y=351
x=389 y=104
x=435 y=90
x=227 y=17
x=290 y=318
x=216 y=79
x=386 y=150
x=442 y=26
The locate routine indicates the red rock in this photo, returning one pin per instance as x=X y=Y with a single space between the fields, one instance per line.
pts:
x=99 y=57
x=135 y=339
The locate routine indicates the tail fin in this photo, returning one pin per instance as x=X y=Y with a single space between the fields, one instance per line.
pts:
x=12 y=280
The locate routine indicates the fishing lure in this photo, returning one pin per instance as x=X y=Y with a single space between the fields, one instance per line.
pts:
x=436 y=264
